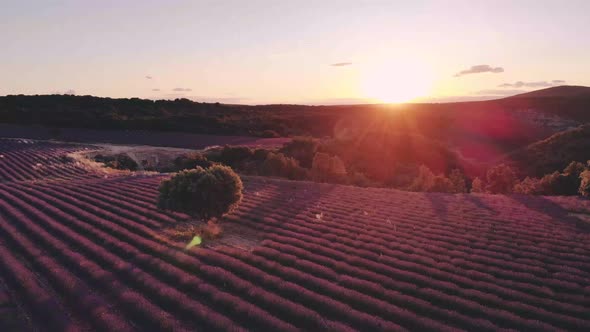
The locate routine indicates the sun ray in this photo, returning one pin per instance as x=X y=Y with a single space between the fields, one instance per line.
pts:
x=396 y=81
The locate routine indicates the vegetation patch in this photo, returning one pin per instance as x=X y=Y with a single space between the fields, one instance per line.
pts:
x=204 y=194
x=119 y=161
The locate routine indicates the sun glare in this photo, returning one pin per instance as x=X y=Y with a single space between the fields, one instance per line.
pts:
x=395 y=82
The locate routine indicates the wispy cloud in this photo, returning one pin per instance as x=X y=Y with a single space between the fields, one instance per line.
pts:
x=538 y=84
x=155 y=89
x=480 y=69
x=341 y=64
x=182 y=89
x=148 y=77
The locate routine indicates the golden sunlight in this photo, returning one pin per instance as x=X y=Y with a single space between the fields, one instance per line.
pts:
x=395 y=82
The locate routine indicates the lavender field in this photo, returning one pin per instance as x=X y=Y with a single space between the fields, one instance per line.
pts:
x=83 y=250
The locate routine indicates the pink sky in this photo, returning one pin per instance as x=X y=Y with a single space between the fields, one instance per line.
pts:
x=312 y=52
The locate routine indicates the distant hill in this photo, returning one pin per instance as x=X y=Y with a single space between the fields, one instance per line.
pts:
x=481 y=131
x=557 y=91
x=553 y=153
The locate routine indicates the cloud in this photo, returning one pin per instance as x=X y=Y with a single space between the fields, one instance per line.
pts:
x=538 y=84
x=182 y=89
x=480 y=69
x=155 y=89
x=148 y=77
x=341 y=64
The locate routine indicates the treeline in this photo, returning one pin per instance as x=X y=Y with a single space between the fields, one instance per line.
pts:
x=573 y=180
x=356 y=162
x=315 y=160
x=180 y=115
x=435 y=121
x=132 y=114
x=552 y=153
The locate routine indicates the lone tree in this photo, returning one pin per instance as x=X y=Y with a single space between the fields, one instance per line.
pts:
x=202 y=193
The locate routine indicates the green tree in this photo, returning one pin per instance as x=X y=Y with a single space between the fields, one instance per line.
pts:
x=477 y=185
x=326 y=168
x=423 y=181
x=457 y=178
x=500 y=179
x=202 y=193
x=276 y=164
x=303 y=149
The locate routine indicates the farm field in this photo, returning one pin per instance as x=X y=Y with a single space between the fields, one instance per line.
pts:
x=134 y=137
x=81 y=249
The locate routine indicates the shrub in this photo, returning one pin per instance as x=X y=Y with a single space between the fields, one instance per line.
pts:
x=260 y=154
x=457 y=179
x=575 y=168
x=123 y=161
x=99 y=158
x=118 y=161
x=303 y=149
x=559 y=184
x=326 y=168
x=276 y=164
x=584 y=189
x=441 y=184
x=477 y=185
x=428 y=182
x=202 y=193
x=191 y=160
x=551 y=184
x=528 y=186
x=500 y=179
x=423 y=181
x=234 y=156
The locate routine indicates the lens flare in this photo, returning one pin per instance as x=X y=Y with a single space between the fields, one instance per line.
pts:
x=194 y=242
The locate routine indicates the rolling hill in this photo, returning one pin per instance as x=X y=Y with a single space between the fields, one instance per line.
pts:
x=553 y=153
x=481 y=131
x=563 y=91
x=431 y=119
x=85 y=250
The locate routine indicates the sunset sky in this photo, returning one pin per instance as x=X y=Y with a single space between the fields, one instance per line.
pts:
x=309 y=52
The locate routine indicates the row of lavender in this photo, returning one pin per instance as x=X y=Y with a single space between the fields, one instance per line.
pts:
x=25 y=160
x=340 y=270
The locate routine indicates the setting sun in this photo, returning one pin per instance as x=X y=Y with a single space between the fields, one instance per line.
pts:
x=397 y=82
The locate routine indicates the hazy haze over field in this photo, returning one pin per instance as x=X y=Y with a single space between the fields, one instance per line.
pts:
x=335 y=52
